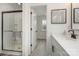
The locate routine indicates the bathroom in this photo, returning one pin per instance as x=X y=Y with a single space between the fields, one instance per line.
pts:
x=60 y=30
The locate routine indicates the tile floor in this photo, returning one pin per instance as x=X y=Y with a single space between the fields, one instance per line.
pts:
x=40 y=49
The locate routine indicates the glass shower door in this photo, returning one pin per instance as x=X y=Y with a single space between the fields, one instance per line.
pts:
x=12 y=30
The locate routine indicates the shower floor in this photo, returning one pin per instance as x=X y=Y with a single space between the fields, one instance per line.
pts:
x=15 y=45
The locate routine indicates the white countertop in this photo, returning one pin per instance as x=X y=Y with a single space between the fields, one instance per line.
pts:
x=71 y=46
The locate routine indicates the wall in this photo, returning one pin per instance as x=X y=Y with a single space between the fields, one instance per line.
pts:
x=7 y=7
x=56 y=28
x=40 y=33
x=26 y=39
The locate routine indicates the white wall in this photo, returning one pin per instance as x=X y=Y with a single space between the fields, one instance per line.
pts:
x=26 y=29
x=56 y=28
x=40 y=33
x=7 y=7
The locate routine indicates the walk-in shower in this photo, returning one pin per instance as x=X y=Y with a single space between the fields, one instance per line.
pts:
x=12 y=30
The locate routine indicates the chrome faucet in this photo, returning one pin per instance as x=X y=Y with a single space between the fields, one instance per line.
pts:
x=72 y=34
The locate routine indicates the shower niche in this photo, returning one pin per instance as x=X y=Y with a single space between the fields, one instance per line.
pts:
x=12 y=30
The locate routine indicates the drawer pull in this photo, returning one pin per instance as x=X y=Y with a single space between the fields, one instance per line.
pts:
x=52 y=48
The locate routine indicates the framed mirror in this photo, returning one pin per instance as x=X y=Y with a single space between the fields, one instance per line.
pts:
x=58 y=16
x=76 y=15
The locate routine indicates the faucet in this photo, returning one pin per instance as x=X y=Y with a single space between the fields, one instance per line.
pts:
x=72 y=34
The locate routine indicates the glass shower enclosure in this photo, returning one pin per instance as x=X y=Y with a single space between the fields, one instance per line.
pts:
x=12 y=30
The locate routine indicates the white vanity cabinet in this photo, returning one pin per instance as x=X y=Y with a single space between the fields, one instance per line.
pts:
x=57 y=49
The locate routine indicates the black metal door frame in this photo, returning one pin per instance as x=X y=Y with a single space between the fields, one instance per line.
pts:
x=15 y=11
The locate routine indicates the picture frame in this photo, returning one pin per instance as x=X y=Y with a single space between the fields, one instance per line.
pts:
x=76 y=15
x=58 y=16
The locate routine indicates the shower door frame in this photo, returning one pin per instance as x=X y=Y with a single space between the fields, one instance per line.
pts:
x=15 y=11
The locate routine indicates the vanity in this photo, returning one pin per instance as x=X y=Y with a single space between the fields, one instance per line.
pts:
x=62 y=45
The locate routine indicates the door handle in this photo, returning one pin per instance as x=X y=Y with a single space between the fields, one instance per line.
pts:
x=52 y=48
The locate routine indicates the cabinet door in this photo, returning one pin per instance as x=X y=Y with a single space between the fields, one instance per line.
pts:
x=57 y=49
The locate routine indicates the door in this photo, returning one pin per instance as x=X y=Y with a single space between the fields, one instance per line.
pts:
x=11 y=31
x=33 y=30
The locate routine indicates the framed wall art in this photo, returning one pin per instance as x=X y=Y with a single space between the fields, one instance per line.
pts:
x=76 y=15
x=58 y=16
